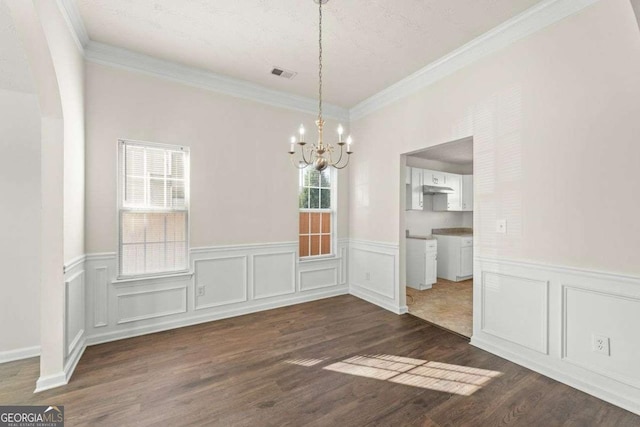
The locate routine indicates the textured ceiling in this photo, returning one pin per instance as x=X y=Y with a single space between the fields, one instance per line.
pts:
x=368 y=44
x=456 y=152
x=14 y=66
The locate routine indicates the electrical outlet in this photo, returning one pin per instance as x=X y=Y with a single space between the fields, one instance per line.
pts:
x=367 y=276
x=600 y=344
x=201 y=291
x=501 y=226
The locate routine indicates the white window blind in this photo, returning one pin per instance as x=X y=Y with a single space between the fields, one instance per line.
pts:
x=154 y=208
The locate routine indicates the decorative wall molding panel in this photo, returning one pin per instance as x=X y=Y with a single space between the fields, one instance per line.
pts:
x=547 y=318
x=74 y=311
x=505 y=298
x=530 y=21
x=134 y=305
x=374 y=273
x=274 y=274
x=223 y=280
x=227 y=281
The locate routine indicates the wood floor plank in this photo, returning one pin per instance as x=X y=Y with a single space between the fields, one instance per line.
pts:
x=338 y=361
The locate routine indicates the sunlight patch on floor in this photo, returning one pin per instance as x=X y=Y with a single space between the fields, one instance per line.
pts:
x=445 y=377
x=305 y=362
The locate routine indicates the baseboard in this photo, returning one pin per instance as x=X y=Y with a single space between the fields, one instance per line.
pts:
x=51 y=381
x=562 y=376
x=19 y=354
x=364 y=295
x=62 y=378
x=195 y=320
x=74 y=358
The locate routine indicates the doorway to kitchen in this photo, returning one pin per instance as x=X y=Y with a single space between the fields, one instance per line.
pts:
x=438 y=234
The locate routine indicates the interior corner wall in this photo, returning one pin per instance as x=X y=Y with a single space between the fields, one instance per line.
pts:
x=555 y=149
x=244 y=189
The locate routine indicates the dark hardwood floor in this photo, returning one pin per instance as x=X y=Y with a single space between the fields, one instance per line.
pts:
x=334 y=362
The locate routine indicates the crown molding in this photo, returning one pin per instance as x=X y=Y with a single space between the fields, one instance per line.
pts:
x=132 y=61
x=72 y=17
x=530 y=21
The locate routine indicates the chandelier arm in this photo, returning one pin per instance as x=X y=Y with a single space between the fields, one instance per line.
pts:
x=298 y=165
x=308 y=162
x=345 y=165
x=339 y=158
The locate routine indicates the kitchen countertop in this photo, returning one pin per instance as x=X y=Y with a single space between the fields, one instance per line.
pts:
x=429 y=237
x=460 y=232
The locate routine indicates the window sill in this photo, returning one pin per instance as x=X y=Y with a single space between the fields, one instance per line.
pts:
x=134 y=279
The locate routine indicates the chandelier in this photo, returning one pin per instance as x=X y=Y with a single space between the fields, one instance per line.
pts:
x=320 y=155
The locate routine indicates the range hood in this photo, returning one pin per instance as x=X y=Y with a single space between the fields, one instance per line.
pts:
x=432 y=189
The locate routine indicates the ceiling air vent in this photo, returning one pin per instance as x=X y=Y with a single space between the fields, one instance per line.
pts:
x=281 y=72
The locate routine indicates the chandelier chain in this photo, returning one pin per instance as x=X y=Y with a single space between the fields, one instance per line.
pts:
x=320 y=61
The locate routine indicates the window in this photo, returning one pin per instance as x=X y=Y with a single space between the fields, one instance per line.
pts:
x=316 y=213
x=153 y=208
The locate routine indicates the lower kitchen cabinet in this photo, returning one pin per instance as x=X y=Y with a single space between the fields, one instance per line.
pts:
x=422 y=263
x=455 y=257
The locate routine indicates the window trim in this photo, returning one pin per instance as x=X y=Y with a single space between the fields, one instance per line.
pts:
x=120 y=208
x=334 y=216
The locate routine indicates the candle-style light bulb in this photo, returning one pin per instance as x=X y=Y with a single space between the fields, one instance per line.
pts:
x=301 y=131
x=349 y=142
x=340 y=132
x=293 y=144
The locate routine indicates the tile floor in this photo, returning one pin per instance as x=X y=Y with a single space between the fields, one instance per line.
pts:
x=448 y=304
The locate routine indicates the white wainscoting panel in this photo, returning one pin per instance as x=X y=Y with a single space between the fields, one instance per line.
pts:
x=224 y=279
x=321 y=275
x=616 y=317
x=74 y=311
x=373 y=273
x=101 y=300
x=515 y=309
x=237 y=280
x=517 y=303
x=133 y=306
x=274 y=274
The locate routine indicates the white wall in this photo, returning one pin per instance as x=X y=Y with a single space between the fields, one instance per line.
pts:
x=551 y=115
x=554 y=122
x=20 y=187
x=243 y=185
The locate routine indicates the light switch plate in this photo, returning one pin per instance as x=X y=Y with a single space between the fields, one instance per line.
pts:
x=501 y=226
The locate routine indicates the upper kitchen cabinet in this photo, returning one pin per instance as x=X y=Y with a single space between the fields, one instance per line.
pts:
x=453 y=200
x=415 y=198
x=434 y=178
x=467 y=193
x=461 y=197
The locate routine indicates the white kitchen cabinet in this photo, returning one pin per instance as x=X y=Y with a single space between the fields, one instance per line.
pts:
x=435 y=178
x=415 y=198
x=467 y=193
x=455 y=257
x=422 y=263
x=452 y=201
